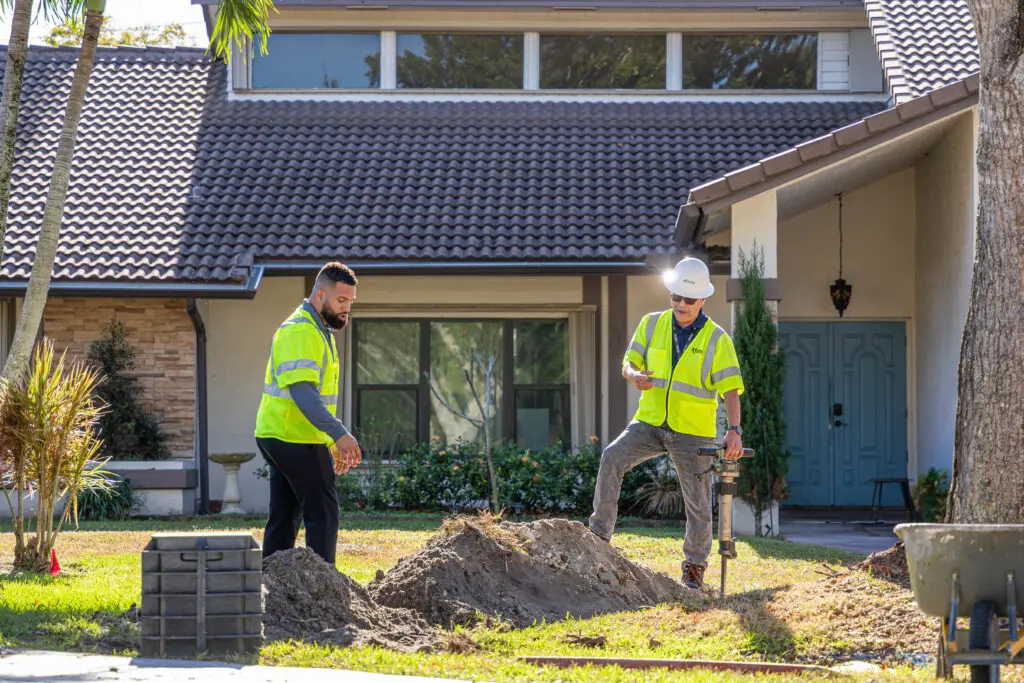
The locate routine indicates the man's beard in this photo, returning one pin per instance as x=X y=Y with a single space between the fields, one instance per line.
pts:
x=335 y=321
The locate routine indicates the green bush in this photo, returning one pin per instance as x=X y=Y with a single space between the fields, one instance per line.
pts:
x=116 y=503
x=128 y=430
x=929 y=494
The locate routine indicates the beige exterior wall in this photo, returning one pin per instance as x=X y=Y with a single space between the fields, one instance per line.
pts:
x=238 y=335
x=878 y=254
x=946 y=196
x=409 y=296
x=164 y=340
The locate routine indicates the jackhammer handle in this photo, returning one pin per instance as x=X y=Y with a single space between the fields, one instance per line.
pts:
x=712 y=451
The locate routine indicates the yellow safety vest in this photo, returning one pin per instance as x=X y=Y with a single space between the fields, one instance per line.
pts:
x=687 y=395
x=299 y=353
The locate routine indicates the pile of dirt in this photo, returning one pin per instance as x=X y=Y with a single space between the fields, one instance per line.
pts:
x=519 y=573
x=890 y=565
x=304 y=598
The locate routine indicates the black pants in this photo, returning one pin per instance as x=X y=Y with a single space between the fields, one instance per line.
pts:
x=301 y=489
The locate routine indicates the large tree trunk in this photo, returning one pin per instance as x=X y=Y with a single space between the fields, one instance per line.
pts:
x=14 y=76
x=46 y=250
x=988 y=478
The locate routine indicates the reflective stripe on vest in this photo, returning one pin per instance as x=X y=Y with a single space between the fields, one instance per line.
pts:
x=273 y=389
x=705 y=370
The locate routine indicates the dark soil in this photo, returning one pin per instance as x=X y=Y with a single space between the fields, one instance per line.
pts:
x=307 y=599
x=889 y=565
x=519 y=573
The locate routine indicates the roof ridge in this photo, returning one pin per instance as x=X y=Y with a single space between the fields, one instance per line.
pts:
x=115 y=49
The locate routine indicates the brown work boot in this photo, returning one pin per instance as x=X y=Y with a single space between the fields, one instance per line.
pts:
x=693 y=576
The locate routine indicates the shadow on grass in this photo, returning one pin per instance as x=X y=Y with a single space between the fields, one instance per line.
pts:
x=776 y=549
x=766 y=635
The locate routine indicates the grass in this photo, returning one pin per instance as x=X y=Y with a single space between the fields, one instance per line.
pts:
x=777 y=608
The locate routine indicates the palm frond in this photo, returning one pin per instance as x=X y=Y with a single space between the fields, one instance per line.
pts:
x=237 y=22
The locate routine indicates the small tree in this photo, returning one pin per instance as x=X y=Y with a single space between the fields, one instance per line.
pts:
x=129 y=431
x=48 y=446
x=488 y=411
x=763 y=367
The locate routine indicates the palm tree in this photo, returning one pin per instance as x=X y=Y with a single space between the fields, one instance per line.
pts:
x=14 y=74
x=237 y=21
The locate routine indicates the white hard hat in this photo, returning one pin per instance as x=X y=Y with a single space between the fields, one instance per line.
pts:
x=690 y=278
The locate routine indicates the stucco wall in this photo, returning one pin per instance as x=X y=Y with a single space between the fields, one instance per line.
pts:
x=878 y=254
x=945 y=191
x=238 y=335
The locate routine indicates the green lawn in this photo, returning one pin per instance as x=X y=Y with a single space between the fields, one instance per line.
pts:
x=782 y=607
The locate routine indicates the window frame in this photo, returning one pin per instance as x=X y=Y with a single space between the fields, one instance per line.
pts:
x=507 y=408
x=250 y=63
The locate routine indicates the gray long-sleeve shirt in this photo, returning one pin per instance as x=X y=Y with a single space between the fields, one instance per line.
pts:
x=307 y=396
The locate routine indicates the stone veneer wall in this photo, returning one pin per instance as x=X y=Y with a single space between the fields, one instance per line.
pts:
x=162 y=335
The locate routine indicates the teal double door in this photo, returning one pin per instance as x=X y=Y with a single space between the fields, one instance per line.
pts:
x=845 y=406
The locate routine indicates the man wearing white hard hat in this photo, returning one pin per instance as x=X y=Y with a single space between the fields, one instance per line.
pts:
x=682 y=362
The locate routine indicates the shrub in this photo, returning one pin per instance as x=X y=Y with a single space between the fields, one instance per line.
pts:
x=930 y=493
x=115 y=503
x=129 y=431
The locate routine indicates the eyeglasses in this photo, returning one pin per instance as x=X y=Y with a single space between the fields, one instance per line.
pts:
x=689 y=301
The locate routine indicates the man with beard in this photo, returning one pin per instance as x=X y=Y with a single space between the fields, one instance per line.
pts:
x=297 y=429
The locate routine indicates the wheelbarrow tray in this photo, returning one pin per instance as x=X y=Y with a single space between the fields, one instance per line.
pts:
x=981 y=555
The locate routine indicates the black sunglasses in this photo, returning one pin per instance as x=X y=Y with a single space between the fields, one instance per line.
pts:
x=689 y=301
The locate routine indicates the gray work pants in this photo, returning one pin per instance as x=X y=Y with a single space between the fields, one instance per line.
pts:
x=638 y=443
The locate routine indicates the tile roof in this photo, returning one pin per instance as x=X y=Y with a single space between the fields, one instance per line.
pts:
x=174 y=182
x=923 y=44
x=852 y=138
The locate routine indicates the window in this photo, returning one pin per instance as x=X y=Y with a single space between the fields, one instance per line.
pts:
x=529 y=389
x=313 y=61
x=752 y=62
x=542 y=412
x=602 y=61
x=460 y=60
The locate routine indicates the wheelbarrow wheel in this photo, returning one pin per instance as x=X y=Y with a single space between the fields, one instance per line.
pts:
x=984 y=635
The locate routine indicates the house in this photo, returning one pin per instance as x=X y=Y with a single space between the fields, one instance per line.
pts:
x=512 y=177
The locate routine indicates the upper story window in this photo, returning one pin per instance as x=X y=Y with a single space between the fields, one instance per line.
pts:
x=750 y=62
x=315 y=61
x=460 y=60
x=602 y=61
x=565 y=61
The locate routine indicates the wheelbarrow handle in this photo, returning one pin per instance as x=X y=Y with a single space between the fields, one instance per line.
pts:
x=713 y=451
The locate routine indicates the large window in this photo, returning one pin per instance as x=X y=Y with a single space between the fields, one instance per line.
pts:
x=750 y=62
x=415 y=375
x=314 y=61
x=460 y=60
x=602 y=61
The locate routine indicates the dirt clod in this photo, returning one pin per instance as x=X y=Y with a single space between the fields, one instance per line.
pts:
x=307 y=599
x=585 y=641
x=521 y=573
x=889 y=565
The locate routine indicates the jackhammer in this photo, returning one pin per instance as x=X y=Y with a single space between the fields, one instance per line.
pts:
x=727 y=471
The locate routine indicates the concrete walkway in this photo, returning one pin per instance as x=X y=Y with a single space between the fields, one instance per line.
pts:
x=840 y=530
x=31 y=666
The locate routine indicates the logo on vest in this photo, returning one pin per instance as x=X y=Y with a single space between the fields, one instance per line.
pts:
x=697 y=351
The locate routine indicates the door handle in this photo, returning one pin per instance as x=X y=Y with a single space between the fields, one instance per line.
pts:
x=840 y=424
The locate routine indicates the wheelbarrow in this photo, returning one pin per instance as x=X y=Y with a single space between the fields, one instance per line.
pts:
x=969 y=571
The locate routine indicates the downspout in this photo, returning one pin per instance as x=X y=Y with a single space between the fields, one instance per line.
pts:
x=201 y=410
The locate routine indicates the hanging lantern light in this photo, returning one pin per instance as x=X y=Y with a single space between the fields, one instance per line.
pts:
x=840 y=289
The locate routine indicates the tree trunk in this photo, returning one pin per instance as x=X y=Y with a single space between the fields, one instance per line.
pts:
x=14 y=77
x=46 y=250
x=988 y=480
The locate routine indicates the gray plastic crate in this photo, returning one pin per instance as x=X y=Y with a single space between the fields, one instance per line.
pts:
x=201 y=594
